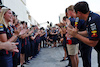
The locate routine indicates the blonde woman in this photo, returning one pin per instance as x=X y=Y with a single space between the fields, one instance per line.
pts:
x=5 y=35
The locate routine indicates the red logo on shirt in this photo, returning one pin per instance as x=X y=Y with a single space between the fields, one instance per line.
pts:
x=94 y=34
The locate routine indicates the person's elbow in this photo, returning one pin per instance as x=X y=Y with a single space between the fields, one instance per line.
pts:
x=93 y=43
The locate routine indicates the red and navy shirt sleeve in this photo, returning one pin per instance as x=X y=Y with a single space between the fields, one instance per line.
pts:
x=93 y=31
x=2 y=29
x=94 y=28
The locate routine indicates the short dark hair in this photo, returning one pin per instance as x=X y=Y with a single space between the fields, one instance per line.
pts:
x=64 y=18
x=66 y=11
x=13 y=13
x=33 y=25
x=42 y=28
x=82 y=7
x=26 y=23
x=22 y=22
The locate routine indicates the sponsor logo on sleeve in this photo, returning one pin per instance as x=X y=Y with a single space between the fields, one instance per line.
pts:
x=1 y=27
x=93 y=30
x=76 y=24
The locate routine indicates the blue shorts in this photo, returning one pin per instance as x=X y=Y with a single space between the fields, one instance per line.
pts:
x=6 y=61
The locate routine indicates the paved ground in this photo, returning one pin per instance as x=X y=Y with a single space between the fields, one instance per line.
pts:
x=50 y=57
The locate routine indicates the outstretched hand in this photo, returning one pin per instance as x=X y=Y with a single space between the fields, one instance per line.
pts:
x=17 y=31
x=72 y=31
x=68 y=22
x=10 y=46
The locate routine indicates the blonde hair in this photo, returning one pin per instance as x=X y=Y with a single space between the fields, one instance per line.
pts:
x=3 y=11
x=71 y=7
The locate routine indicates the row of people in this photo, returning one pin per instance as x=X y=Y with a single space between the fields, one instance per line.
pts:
x=19 y=42
x=82 y=28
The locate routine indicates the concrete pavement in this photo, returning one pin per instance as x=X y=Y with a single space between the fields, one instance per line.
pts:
x=50 y=57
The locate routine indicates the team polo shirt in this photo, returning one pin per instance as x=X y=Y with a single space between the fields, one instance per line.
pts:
x=79 y=24
x=4 y=30
x=93 y=28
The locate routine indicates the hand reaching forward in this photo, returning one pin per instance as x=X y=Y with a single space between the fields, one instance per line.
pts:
x=17 y=31
x=72 y=31
x=10 y=46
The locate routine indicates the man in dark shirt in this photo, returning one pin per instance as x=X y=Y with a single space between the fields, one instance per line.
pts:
x=92 y=26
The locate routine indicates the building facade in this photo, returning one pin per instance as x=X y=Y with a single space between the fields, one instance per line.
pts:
x=19 y=7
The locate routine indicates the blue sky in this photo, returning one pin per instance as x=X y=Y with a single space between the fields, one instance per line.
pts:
x=49 y=10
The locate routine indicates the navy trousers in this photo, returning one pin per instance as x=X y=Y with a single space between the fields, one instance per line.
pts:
x=86 y=54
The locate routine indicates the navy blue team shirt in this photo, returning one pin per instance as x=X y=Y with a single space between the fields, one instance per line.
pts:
x=93 y=28
x=79 y=25
x=5 y=56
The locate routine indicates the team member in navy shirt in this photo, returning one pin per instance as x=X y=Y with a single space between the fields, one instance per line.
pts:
x=54 y=36
x=5 y=34
x=92 y=23
x=73 y=47
x=7 y=45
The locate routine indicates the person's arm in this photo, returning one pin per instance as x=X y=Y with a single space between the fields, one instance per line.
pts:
x=3 y=38
x=68 y=36
x=25 y=34
x=15 y=36
x=61 y=39
x=83 y=33
x=73 y=32
x=33 y=37
x=29 y=33
x=56 y=33
x=50 y=39
x=51 y=33
x=85 y=40
x=42 y=34
x=9 y=46
x=63 y=24
x=61 y=32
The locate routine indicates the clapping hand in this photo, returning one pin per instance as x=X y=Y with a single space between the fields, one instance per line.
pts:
x=72 y=31
x=17 y=31
x=10 y=46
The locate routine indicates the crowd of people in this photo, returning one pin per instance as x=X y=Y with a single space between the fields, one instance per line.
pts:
x=18 y=43
x=78 y=32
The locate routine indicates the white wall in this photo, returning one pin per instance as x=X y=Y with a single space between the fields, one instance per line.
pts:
x=18 y=7
x=61 y=16
x=24 y=1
